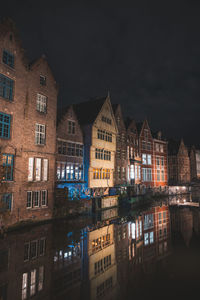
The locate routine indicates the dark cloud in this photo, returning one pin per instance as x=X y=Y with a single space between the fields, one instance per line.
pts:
x=147 y=53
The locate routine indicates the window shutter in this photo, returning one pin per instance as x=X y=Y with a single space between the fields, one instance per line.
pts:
x=30 y=168
x=45 y=169
x=38 y=169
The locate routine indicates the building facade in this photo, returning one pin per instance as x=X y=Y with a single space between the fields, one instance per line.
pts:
x=194 y=163
x=28 y=101
x=99 y=128
x=133 y=154
x=178 y=163
x=160 y=161
x=146 y=152
x=69 y=155
x=120 y=174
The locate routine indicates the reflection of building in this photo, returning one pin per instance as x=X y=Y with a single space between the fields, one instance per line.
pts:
x=99 y=127
x=100 y=261
x=195 y=163
x=182 y=221
x=25 y=268
x=67 y=264
x=69 y=156
x=178 y=163
x=28 y=102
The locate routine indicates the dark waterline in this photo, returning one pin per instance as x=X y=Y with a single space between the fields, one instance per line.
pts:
x=153 y=252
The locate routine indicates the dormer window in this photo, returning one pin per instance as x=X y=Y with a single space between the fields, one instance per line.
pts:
x=8 y=58
x=146 y=134
x=42 y=80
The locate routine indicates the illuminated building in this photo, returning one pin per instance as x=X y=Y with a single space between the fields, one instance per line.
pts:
x=99 y=129
x=28 y=100
x=160 y=167
x=70 y=150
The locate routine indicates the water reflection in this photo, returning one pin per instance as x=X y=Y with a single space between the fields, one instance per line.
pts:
x=107 y=256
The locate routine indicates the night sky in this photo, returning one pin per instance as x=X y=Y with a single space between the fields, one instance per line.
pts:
x=146 y=53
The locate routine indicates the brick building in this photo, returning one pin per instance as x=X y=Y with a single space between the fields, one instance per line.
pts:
x=120 y=175
x=69 y=156
x=178 y=163
x=97 y=120
x=146 y=152
x=160 y=161
x=133 y=154
x=194 y=163
x=28 y=100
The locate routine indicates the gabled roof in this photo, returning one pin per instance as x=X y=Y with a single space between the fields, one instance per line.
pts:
x=139 y=127
x=88 y=111
x=173 y=146
x=61 y=113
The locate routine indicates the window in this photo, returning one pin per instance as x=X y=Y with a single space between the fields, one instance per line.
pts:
x=29 y=199
x=38 y=169
x=104 y=135
x=7 y=167
x=45 y=169
x=7 y=201
x=41 y=104
x=42 y=80
x=148 y=146
x=101 y=173
x=26 y=251
x=42 y=243
x=67 y=171
x=144 y=159
x=147 y=174
x=8 y=58
x=33 y=249
x=6 y=87
x=24 y=285
x=71 y=127
x=36 y=198
x=106 y=120
x=39 y=134
x=132 y=175
x=33 y=283
x=70 y=149
x=148 y=159
x=102 y=154
x=143 y=145
x=44 y=198
x=41 y=278
x=30 y=168
x=148 y=221
x=102 y=264
x=4 y=126
x=158 y=175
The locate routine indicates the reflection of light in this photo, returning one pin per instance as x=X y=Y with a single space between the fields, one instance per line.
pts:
x=184 y=200
x=177 y=201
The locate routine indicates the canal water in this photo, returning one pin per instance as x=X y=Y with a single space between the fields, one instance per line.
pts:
x=147 y=253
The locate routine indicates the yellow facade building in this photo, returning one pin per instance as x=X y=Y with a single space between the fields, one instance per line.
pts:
x=99 y=127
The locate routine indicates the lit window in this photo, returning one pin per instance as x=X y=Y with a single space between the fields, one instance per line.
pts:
x=8 y=59
x=6 y=87
x=33 y=283
x=41 y=105
x=144 y=159
x=24 y=285
x=149 y=159
x=151 y=237
x=39 y=134
x=4 y=126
